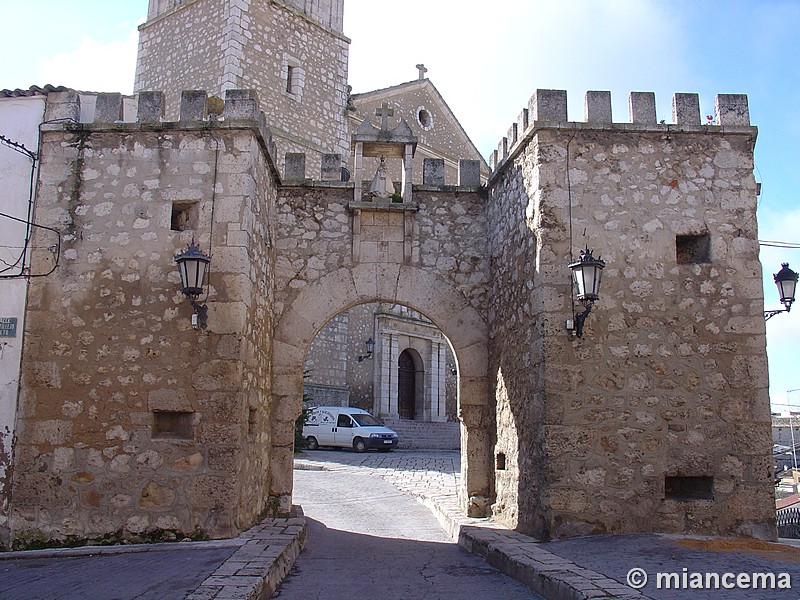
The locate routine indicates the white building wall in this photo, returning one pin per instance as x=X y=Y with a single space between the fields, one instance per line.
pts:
x=19 y=122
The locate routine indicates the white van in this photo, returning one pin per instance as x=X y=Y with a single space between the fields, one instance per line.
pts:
x=346 y=428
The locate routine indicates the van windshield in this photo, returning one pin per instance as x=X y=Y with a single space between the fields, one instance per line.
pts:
x=365 y=420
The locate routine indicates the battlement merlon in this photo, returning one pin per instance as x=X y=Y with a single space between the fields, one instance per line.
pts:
x=551 y=106
x=241 y=109
x=548 y=108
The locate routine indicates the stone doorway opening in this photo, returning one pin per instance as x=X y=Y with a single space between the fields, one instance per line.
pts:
x=409 y=378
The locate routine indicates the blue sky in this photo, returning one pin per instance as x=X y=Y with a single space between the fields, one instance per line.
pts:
x=486 y=64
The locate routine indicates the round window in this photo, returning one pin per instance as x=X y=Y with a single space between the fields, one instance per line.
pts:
x=424 y=118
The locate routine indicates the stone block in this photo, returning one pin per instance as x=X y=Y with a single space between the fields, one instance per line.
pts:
x=686 y=109
x=433 y=171
x=151 y=107
x=223 y=458
x=522 y=121
x=155 y=495
x=548 y=105
x=731 y=109
x=227 y=317
x=211 y=492
x=331 y=169
x=597 y=107
x=469 y=173
x=194 y=105
x=187 y=464
x=513 y=134
x=108 y=108
x=51 y=432
x=295 y=166
x=502 y=150
x=64 y=106
x=168 y=400
x=493 y=162
x=241 y=104
x=642 y=108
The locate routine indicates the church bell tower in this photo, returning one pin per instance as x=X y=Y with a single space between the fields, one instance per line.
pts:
x=293 y=53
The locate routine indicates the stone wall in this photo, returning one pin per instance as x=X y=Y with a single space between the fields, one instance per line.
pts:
x=360 y=375
x=326 y=366
x=516 y=339
x=217 y=45
x=133 y=425
x=657 y=419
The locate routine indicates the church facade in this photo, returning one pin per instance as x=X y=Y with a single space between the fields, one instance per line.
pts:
x=131 y=423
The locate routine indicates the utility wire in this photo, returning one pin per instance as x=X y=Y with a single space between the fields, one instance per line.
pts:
x=773 y=244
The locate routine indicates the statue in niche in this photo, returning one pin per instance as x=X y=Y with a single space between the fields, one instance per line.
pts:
x=381 y=186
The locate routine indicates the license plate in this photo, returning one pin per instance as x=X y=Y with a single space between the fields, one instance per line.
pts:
x=387 y=441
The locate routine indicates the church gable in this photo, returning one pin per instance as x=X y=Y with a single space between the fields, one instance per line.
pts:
x=439 y=133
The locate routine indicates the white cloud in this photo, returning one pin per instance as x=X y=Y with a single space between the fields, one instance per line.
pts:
x=93 y=66
x=487 y=63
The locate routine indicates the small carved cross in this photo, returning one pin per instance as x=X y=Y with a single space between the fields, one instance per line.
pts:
x=384 y=112
x=422 y=70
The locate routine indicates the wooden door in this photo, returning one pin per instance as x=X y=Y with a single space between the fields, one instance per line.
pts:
x=406 y=386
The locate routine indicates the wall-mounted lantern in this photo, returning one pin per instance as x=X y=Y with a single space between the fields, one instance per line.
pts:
x=193 y=264
x=786 y=280
x=370 y=345
x=586 y=275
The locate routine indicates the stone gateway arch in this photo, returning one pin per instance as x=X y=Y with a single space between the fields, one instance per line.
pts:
x=418 y=288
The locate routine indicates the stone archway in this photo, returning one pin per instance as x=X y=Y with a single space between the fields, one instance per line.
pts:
x=411 y=286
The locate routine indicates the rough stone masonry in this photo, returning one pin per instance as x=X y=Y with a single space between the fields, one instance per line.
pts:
x=133 y=425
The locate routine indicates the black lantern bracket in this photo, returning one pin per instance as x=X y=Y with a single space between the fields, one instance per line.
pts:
x=586 y=276
x=580 y=318
x=200 y=316
x=193 y=265
x=786 y=280
x=370 y=345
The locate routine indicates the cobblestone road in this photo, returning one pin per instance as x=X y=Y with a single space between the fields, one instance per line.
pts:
x=367 y=538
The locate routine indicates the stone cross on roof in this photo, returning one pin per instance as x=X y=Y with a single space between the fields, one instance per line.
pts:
x=384 y=112
x=422 y=70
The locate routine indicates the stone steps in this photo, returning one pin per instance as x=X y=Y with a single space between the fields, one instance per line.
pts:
x=421 y=435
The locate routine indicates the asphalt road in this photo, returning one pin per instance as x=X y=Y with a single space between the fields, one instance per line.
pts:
x=368 y=540
x=168 y=574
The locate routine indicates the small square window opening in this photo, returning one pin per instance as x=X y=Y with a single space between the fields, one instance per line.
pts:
x=693 y=249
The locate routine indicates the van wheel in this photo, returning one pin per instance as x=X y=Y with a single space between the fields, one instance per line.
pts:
x=312 y=443
x=359 y=445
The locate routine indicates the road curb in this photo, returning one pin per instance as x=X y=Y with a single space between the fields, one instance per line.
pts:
x=524 y=558
x=256 y=569
x=552 y=576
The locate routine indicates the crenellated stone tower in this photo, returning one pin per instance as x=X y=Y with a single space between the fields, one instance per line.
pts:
x=291 y=52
